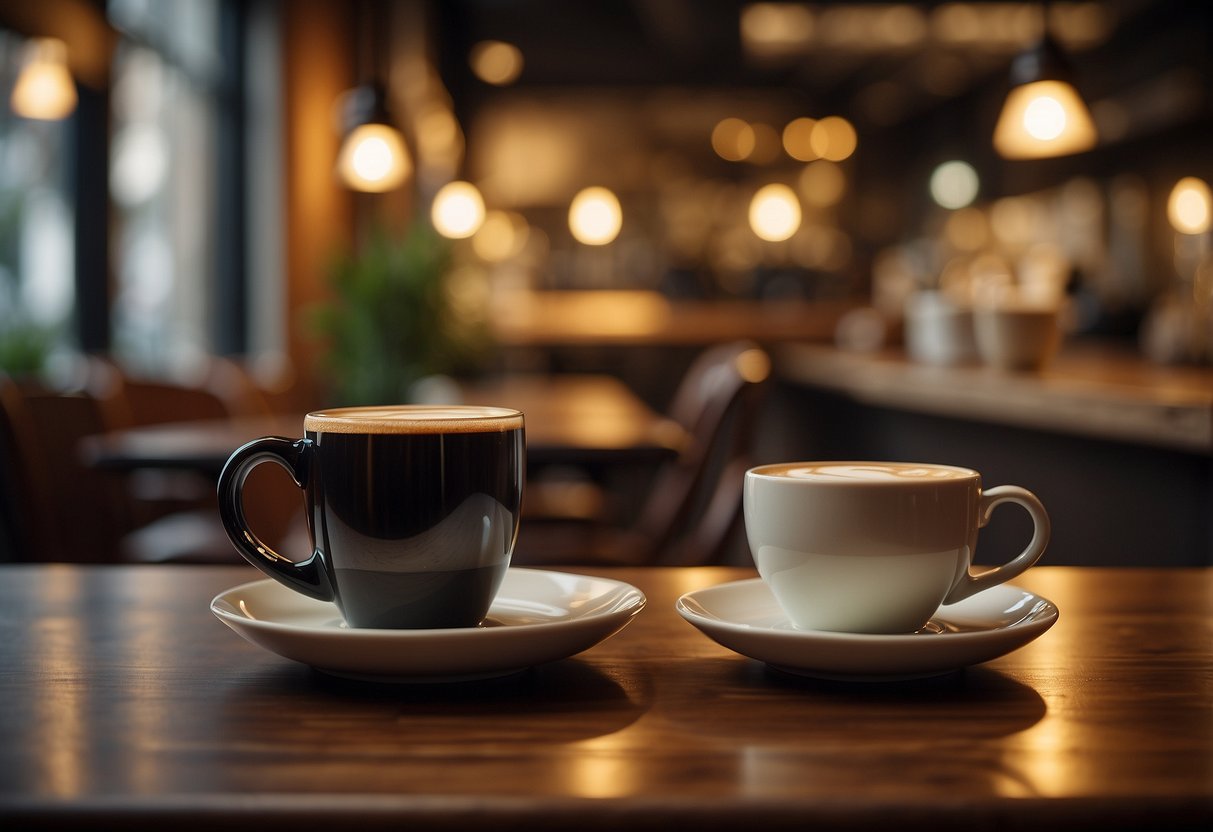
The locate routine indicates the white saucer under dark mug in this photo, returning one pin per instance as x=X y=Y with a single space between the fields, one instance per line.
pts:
x=538 y=616
x=745 y=617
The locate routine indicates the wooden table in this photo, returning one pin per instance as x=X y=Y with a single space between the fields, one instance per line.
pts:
x=569 y=419
x=126 y=705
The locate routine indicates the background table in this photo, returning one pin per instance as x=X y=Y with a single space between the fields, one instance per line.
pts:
x=126 y=705
x=570 y=419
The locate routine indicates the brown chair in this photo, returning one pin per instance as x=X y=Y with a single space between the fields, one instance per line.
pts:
x=54 y=507
x=176 y=509
x=20 y=527
x=58 y=508
x=694 y=505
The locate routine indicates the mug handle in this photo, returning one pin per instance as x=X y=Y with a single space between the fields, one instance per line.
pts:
x=308 y=576
x=971 y=584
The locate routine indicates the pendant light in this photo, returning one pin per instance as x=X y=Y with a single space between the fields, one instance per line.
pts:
x=1044 y=115
x=44 y=88
x=373 y=156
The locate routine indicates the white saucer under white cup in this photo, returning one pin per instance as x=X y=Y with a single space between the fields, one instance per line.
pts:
x=744 y=617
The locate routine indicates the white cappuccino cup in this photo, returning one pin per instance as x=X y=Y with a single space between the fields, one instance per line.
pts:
x=875 y=547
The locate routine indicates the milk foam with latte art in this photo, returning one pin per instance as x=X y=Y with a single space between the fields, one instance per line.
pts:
x=867 y=472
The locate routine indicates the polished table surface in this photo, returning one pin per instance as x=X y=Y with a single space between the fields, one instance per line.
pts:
x=127 y=705
x=569 y=419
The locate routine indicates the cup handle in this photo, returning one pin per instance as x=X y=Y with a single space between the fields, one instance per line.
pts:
x=971 y=584
x=308 y=576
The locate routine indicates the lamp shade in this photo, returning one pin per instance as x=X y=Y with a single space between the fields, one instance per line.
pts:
x=1043 y=115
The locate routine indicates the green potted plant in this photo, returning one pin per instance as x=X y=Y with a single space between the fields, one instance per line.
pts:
x=391 y=321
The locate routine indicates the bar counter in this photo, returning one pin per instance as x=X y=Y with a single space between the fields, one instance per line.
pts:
x=1119 y=449
x=1090 y=390
x=127 y=705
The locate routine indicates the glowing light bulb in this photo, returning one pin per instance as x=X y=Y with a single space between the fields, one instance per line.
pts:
x=775 y=213
x=373 y=158
x=1044 y=118
x=44 y=89
x=458 y=210
x=595 y=217
x=1190 y=206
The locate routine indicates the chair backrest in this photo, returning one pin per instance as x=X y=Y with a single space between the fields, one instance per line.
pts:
x=60 y=509
x=717 y=403
x=128 y=400
x=233 y=383
x=18 y=524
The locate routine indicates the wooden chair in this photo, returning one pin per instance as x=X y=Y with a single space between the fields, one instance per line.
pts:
x=54 y=507
x=694 y=505
x=19 y=526
x=177 y=510
x=60 y=510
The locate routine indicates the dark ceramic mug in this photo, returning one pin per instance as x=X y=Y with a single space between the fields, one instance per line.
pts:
x=412 y=510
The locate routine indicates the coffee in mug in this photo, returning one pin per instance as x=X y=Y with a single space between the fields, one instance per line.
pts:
x=875 y=547
x=412 y=510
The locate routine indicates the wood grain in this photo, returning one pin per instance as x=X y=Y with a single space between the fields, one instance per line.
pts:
x=126 y=705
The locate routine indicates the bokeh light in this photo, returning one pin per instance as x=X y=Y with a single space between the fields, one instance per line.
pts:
x=458 y=210
x=775 y=212
x=1190 y=206
x=798 y=139
x=496 y=62
x=733 y=139
x=822 y=183
x=595 y=216
x=502 y=235
x=373 y=158
x=834 y=138
x=954 y=184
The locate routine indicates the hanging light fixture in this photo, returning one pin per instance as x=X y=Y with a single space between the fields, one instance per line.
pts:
x=1044 y=115
x=373 y=156
x=44 y=88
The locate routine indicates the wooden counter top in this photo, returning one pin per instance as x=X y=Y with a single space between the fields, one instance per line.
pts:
x=644 y=318
x=1091 y=390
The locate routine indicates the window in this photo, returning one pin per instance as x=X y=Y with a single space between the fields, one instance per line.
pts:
x=37 y=295
x=160 y=168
